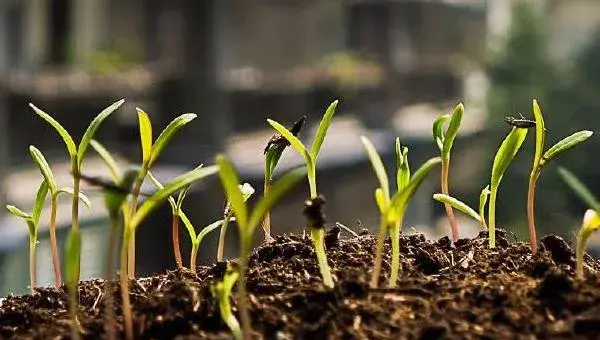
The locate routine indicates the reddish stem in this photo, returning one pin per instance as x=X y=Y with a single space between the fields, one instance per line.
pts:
x=531 y=212
x=175 y=236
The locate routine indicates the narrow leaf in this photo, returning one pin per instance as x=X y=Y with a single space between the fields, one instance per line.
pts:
x=93 y=128
x=145 y=135
x=42 y=164
x=209 y=228
x=540 y=135
x=294 y=141
x=17 y=212
x=175 y=185
x=113 y=167
x=483 y=197
x=277 y=191
x=380 y=199
x=403 y=172
x=159 y=186
x=457 y=204
x=82 y=197
x=231 y=184
x=566 y=144
x=188 y=225
x=505 y=154
x=452 y=130
x=322 y=130
x=271 y=159
x=38 y=204
x=580 y=189
x=71 y=147
x=438 y=131
x=167 y=134
x=378 y=168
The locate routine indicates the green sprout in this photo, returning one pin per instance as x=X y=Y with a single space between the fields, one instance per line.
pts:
x=591 y=218
x=464 y=208
x=541 y=159
x=247 y=191
x=77 y=153
x=33 y=222
x=72 y=265
x=247 y=222
x=55 y=191
x=445 y=141
x=272 y=153
x=222 y=290
x=392 y=209
x=504 y=156
x=150 y=152
x=310 y=158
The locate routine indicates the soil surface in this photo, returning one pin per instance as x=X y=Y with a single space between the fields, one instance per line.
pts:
x=446 y=291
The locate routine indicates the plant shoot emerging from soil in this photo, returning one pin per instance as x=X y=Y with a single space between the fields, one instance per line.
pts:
x=542 y=158
x=222 y=290
x=393 y=209
x=445 y=141
x=247 y=222
x=77 y=153
x=247 y=191
x=313 y=210
x=504 y=156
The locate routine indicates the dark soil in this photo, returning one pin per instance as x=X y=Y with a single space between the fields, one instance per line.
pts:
x=446 y=291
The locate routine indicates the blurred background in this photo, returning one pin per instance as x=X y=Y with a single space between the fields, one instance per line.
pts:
x=395 y=65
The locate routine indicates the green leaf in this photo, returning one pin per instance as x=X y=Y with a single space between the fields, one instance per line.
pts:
x=483 y=197
x=145 y=135
x=540 y=135
x=207 y=230
x=322 y=130
x=181 y=197
x=378 y=168
x=222 y=290
x=38 y=204
x=566 y=144
x=402 y=198
x=457 y=204
x=93 y=128
x=452 y=130
x=72 y=256
x=158 y=185
x=505 y=154
x=380 y=199
x=247 y=191
x=71 y=147
x=438 y=131
x=82 y=197
x=277 y=191
x=271 y=159
x=40 y=161
x=580 y=189
x=175 y=185
x=231 y=184
x=403 y=172
x=294 y=141
x=188 y=225
x=113 y=168
x=167 y=134
x=17 y=212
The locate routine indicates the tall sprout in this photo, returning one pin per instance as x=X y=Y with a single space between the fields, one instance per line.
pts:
x=247 y=222
x=445 y=141
x=541 y=159
x=77 y=152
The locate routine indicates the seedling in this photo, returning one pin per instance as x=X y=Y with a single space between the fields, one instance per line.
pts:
x=541 y=159
x=392 y=209
x=272 y=153
x=313 y=210
x=504 y=156
x=72 y=265
x=150 y=152
x=32 y=221
x=247 y=222
x=464 y=208
x=591 y=218
x=247 y=191
x=445 y=141
x=55 y=191
x=311 y=164
x=77 y=153
x=222 y=290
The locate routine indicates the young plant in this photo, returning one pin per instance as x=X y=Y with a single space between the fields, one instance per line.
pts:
x=150 y=152
x=591 y=219
x=464 y=208
x=272 y=153
x=77 y=152
x=247 y=222
x=55 y=191
x=313 y=210
x=504 y=156
x=222 y=290
x=33 y=221
x=247 y=191
x=541 y=159
x=445 y=141
x=317 y=234
x=72 y=265
x=392 y=209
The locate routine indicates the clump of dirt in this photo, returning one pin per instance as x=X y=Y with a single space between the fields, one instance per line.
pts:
x=461 y=290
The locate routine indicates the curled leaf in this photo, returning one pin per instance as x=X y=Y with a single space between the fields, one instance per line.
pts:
x=452 y=130
x=438 y=130
x=378 y=168
x=540 y=135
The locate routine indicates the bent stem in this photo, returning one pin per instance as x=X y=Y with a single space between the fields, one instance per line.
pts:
x=123 y=278
x=492 y=217
x=445 y=190
x=395 y=238
x=175 y=237
x=378 y=254
x=530 y=211
x=32 y=275
x=222 y=234
x=318 y=235
x=53 y=243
